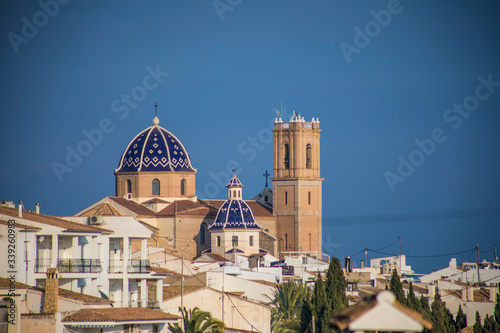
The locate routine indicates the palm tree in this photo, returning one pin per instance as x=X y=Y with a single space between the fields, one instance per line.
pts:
x=287 y=301
x=197 y=321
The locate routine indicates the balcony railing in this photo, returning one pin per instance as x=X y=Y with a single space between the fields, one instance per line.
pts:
x=115 y=266
x=79 y=266
x=138 y=266
x=41 y=265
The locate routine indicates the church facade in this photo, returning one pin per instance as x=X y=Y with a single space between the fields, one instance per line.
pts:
x=155 y=183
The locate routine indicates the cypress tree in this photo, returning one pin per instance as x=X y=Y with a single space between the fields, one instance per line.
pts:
x=497 y=307
x=478 y=328
x=460 y=319
x=315 y=307
x=411 y=300
x=424 y=306
x=490 y=325
x=397 y=287
x=336 y=298
x=440 y=316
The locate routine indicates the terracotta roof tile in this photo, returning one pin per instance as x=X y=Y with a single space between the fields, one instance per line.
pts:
x=174 y=291
x=133 y=206
x=119 y=314
x=19 y=225
x=343 y=318
x=52 y=220
x=155 y=200
x=266 y=283
x=64 y=293
x=188 y=207
x=210 y=257
x=104 y=209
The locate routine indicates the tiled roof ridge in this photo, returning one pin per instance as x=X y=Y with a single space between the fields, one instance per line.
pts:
x=38 y=217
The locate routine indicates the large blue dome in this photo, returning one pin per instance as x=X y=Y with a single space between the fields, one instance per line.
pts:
x=234 y=214
x=155 y=149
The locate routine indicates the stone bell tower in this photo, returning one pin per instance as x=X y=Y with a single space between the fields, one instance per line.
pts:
x=297 y=184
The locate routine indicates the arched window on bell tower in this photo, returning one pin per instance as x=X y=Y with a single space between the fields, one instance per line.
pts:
x=129 y=186
x=156 y=187
x=183 y=187
x=287 y=156
x=308 y=156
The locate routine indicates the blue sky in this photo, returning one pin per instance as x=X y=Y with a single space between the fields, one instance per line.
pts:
x=379 y=75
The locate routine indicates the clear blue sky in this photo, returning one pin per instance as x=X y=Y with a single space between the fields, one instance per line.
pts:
x=378 y=74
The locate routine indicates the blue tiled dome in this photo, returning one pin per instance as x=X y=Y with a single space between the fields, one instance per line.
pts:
x=234 y=214
x=155 y=149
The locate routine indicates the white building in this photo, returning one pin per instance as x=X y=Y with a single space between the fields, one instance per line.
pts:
x=92 y=254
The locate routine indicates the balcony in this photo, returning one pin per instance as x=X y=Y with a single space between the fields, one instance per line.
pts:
x=115 y=266
x=79 y=266
x=41 y=265
x=138 y=266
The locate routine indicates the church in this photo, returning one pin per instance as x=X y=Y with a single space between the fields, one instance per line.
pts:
x=155 y=183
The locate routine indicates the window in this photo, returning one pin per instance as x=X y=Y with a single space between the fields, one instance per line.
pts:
x=286 y=242
x=309 y=198
x=287 y=156
x=234 y=193
x=202 y=234
x=129 y=186
x=251 y=241
x=310 y=243
x=156 y=187
x=235 y=240
x=183 y=187
x=218 y=240
x=308 y=156
x=286 y=198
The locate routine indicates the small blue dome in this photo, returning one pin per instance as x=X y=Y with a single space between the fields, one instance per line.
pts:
x=234 y=214
x=234 y=182
x=155 y=149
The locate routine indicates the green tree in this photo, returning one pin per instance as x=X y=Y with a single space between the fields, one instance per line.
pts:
x=396 y=287
x=412 y=301
x=442 y=320
x=460 y=319
x=497 y=307
x=197 y=321
x=287 y=302
x=315 y=307
x=490 y=325
x=478 y=328
x=424 y=306
x=336 y=298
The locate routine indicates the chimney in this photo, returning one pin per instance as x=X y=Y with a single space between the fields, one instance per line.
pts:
x=431 y=291
x=493 y=294
x=51 y=291
x=464 y=294
x=37 y=208
x=20 y=213
x=362 y=263
x=470 y=294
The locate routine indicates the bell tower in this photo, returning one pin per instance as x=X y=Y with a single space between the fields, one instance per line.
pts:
x=297 y=184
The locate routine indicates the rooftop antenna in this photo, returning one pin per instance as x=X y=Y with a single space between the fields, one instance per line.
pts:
x=156 y=109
